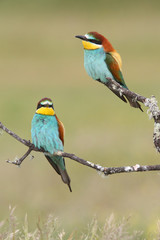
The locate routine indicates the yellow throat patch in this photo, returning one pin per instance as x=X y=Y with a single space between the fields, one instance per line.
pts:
x=90 y=46
x=46 y=111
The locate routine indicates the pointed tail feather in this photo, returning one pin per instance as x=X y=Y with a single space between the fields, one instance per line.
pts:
x=53 y=164
x=63 y=173
x=134 y=104
x=65 y=178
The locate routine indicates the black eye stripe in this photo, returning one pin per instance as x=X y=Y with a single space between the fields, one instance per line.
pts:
x=95 y=41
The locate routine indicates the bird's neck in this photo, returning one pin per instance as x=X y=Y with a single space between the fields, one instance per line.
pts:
x=107 y=46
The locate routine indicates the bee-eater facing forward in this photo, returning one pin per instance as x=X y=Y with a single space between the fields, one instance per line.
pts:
x=48 y=133
x=102 y=61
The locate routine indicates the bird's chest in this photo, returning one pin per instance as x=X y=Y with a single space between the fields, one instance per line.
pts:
x=95 y=65
x=45 y=133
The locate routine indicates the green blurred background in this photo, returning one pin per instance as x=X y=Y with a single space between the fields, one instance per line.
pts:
x=40 y=57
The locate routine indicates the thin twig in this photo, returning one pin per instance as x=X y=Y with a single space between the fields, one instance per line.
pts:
x=20 y=160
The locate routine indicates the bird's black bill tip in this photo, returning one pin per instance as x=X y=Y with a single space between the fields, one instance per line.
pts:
x=70 y=188
x=81 y=37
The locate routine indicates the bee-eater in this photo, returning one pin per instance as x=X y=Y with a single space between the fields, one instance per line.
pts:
x=48 y=133
x=102 y=61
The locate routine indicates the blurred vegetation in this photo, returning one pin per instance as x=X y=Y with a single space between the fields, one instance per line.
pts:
x=50 y=229
x=39 y=57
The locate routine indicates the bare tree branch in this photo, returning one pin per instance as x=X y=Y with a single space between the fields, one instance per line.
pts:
x=104 y=170
x=113 y=85
x=153 y=111
x=110 y=170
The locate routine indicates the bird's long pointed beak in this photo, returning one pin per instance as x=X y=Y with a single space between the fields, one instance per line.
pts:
x=82 y=37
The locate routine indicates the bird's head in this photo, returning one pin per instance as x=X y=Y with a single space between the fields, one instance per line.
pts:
x=94 y=40
x=45 y=107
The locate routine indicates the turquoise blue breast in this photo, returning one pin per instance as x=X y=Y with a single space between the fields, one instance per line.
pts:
x=94 y=63
x=45 y=133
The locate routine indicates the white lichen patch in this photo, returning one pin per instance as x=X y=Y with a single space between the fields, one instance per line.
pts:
x=114 y=87
x=31 y=157
x=153 y=110
x=102 y=174
x=120 y=92
x=150 y=115
x=136 y=167
x=156 y=130
x=147 y=101
x=90 y=163
x=134 y=99
x=100 y=168
x=16 y=159
x=128 y=169
x=145 y=168
x=59 y=153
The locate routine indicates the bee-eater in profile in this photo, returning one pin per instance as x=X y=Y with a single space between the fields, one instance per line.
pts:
x=102 y=61
x=48 y=133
